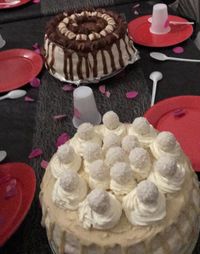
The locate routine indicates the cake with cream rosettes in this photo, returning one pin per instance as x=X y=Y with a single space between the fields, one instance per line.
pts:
x=120 y=189
x=87 y=45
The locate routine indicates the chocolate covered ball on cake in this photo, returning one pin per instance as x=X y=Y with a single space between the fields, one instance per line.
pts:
x=87 y=45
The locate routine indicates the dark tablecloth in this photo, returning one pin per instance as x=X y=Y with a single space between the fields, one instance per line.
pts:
x=22 y=118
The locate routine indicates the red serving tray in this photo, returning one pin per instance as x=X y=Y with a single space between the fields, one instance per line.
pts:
x=14 y=209
x=186 y=128
x=18 y=67
x=8 y=6
x=139 y=32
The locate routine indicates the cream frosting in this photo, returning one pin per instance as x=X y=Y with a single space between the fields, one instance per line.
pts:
x=58 y=167
x=71 y=194
x=122 y=180
x=168 y=175
x=99 y=176
x=103 y=218
x=113 y=155
x=91 y=153
x=143 y=131
x=165 y=144
x=140 y=163
x=144 y=213
x=130 y=142
x=111 y=140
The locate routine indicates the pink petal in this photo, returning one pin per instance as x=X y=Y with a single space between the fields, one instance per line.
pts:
x=178 y=50
x=11 y=190
x=62 y=139
x=35 y=82
x=35 y=46
x=107 y=94
x=166 y=24
x=68 y=88
x=131 y=94
x=2 y=221
x=77 y=113
x=28 y=98
x=5 y=178
x=136 y=12
x=36 y=1
x=59 y=117
x=179 y=112
x=44 y=164
x=37 y=51
x=102 y=89
x=35 y=153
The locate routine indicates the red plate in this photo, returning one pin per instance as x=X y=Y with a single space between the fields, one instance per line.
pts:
x=139 y=32
x=18 y=67
x=14 y=209
x=186 y=128
x=4 y=5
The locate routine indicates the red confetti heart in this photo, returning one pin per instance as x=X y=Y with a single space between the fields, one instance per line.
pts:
x=179 y=112
x=36 y=1
x=107 y=94
x=5 y=178
x=77 y=114
x=37 y=51
x=102 y=89
x=68 y=88
x=62 y=139
x=131 y=94
x=59 y=117
x=35 y=82
x=178 y=50
x=35 y=45
x=44 y=164
x=35 y=153
x=11 y=190
x=28 y=99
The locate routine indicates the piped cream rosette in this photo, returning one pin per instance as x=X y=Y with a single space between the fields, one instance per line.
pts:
x=100 y=210
x=65 y=159
x=111 y=124
x=143 y=131
x=145 y=204
x=85 y=133
x=69 y=190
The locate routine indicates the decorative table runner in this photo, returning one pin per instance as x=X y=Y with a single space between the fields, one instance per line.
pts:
x=52 y=6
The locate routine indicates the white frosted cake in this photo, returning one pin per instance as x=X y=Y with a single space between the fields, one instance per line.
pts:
x=120 y=189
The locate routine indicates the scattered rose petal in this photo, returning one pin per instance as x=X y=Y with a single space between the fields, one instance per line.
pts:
x=28 y=98
x=136 y=6
x=68 y=88
x=36 y=1
x=35 y=153
x=38 y=51
x=107 y=94
x=35 y=45
x=35 y=82
x=11 y=190
x=179 y=112
x=5 y=178
x=131 y=94
x=62 y=139
x=102 y=89
x=77 y=114
x=1 y=220
x=178 y=50
x=44 y=164
x=136 y=12
x=166 y=24
x=59 y=117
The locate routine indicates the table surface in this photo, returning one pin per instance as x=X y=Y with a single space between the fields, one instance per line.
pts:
x=18 y=119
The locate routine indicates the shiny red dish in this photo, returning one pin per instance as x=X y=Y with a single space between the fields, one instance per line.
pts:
x=181 y=116
x=14 y=209
x=6 y=5
x=18 y=67
x=139 y=32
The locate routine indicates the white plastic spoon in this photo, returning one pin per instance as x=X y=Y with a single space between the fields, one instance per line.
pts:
x=175 y=22
x=15 y=94
x=3 y=155
x=155 y=77
x=162 y=57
